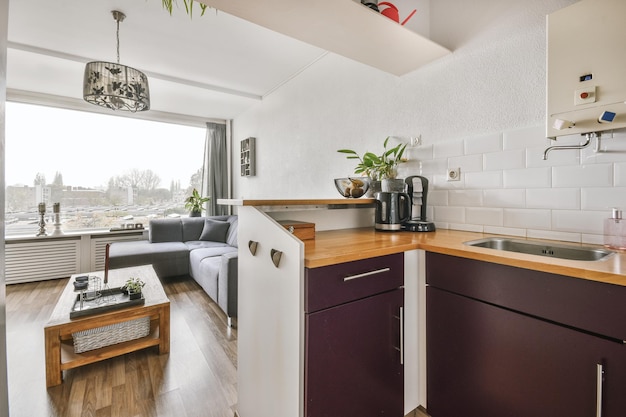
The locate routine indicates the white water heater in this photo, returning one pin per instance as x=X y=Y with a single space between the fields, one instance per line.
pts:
x=586 y=63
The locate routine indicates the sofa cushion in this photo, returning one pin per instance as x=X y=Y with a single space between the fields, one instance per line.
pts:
x=165 y=230
x=168 y=258
x=199 y=244
x=198 y=256
x=206 y=273
x=214 y=230
x=231 y=237
x=192 y=228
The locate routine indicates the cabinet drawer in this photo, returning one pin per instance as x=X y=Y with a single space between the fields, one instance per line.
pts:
x=337 y=284
x=592 y=306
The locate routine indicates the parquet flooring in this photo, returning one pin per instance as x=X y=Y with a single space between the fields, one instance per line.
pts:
x=198 y=378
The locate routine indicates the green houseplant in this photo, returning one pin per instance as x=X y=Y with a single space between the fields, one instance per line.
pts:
x=378 y=167
x=195 y=203
x=133 y=286
x=390 y=159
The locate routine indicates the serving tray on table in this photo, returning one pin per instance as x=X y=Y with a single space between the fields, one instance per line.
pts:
x=109 y=299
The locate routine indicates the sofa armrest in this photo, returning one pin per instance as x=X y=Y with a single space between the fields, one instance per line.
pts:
x=228 y=283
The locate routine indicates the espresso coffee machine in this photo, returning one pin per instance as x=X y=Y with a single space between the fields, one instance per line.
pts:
x=417 y=188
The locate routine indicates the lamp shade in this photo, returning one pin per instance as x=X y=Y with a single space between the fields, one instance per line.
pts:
x=116 y=86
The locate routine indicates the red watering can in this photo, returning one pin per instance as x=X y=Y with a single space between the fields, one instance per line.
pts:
x=391 y=11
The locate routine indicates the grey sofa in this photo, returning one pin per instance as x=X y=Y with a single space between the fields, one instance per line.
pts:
x=203 y=247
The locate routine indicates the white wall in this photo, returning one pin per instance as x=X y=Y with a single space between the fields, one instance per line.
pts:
x=482 y=108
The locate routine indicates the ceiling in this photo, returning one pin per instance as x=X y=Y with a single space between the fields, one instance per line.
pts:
x=212 y=66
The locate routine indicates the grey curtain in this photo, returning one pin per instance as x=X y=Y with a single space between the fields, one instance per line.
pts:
x=215 y=172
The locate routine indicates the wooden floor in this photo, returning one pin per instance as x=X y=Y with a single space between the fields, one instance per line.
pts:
x=197 y=378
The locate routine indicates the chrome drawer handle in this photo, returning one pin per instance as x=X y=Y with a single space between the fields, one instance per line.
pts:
x=366 y=274
x=599 y=383
x=401 y=335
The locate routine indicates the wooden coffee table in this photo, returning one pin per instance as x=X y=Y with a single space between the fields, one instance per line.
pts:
x=58 y=331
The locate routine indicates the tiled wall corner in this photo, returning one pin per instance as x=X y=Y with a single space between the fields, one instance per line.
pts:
x=506 y=186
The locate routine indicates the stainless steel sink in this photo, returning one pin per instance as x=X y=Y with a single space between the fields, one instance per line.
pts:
x=562 y=251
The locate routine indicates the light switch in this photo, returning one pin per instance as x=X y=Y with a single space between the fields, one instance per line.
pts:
x=585 y=95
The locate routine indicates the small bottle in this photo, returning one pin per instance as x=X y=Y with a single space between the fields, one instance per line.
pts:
x=615 y=230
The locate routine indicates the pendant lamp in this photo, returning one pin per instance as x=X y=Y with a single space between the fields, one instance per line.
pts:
x=116 y=86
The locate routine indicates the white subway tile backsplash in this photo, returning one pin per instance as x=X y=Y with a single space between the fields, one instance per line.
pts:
x=465 y=198
x=529 y=137
x=449 y=214
x=483 y=144
x=507 y=187
x=505 y=231
x=505 y=160
x=468 y=163
x=592 y=239
x=557 y=198
x=589 y=175
x=603 y=199
x=548 y=234
x=527 y=218
x=504 y=198
x=433 y=167
x=477 y=228
x=448 y=149
x=492 y=179
x=437 y=198
x=619 y=178
x=485 y=216
x=528 y=178
x=578 y=221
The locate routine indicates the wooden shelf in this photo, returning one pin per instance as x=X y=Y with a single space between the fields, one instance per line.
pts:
x=328 y=203
x=344 y=27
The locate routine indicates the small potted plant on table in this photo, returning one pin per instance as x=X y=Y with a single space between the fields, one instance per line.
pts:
x=133 y=286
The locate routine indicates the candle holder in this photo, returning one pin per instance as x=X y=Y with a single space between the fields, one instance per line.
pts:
x=56 y=210
x=42 y=220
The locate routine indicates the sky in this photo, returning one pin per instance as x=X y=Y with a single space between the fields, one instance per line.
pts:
x=89 y=148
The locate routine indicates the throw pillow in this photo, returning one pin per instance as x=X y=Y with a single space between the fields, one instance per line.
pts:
x=214 y=230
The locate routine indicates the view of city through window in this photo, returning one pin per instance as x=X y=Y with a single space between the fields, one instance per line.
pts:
x=104 y=171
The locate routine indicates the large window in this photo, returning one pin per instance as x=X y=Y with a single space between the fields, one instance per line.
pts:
x=105 y=171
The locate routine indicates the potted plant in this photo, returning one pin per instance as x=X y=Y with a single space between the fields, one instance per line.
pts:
x=388 y=167
x=377 y=168
x=133 y=287
x=195 y=203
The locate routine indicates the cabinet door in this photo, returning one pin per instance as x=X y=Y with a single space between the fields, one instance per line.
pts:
x=486 y=361
x=353 y=359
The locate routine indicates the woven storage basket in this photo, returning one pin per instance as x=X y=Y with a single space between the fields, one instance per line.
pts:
x=109 y=335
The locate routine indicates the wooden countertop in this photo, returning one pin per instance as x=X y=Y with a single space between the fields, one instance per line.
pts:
x=336 y=246
x=297 y=202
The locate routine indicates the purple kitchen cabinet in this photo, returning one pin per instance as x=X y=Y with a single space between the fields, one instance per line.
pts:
x=353 y=350
x=491 y=351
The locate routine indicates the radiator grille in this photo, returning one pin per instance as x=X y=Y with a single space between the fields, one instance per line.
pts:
x=37 y=261
x=98 y=248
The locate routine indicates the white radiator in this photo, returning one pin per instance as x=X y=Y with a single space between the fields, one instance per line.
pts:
x=40 y=260
x=98 y=248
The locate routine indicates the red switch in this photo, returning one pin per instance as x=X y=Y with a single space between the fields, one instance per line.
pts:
x=584 y=95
